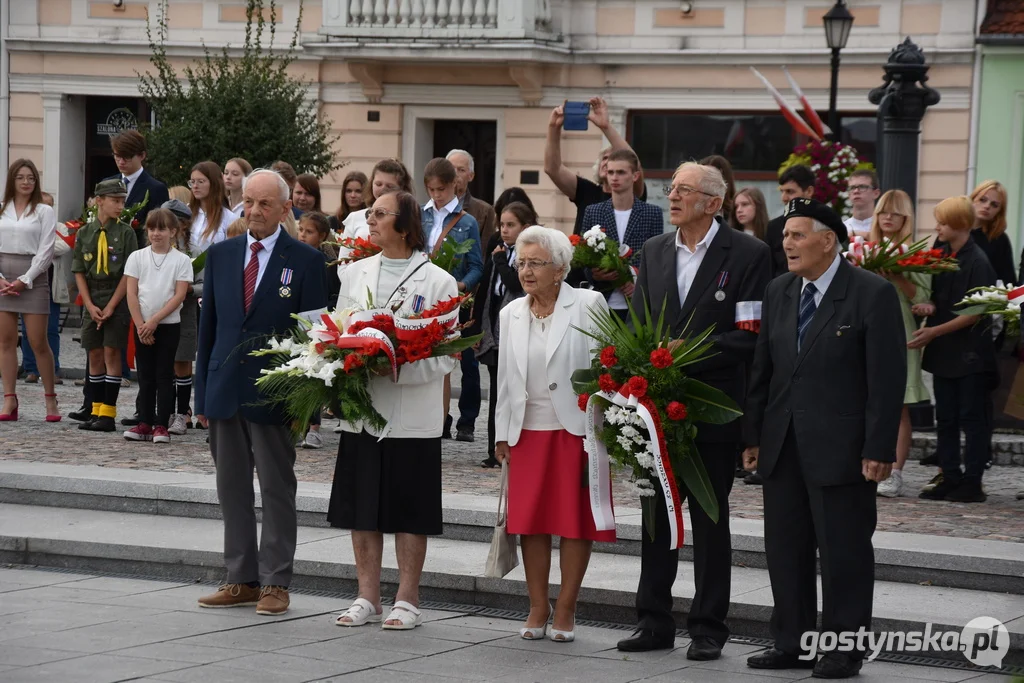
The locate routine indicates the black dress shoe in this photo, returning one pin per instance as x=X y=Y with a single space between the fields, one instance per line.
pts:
x=753 y=479
x=101 y=424
x=490 y=462
x=130 y=421
x=645 y=640
x=465 y=435
x=703 y=649
x=83 y=414
x=87 y=423
x=446 y=433
x=837 y=665
x=777 y=659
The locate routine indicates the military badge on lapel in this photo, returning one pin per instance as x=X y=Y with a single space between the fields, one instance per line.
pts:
x=417 y=304
x=286 y=280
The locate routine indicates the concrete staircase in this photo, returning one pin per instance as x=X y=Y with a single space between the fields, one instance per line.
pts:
x=167 y=524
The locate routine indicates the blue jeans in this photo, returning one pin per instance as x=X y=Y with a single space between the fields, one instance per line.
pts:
x=469 y=399
x=28 y=358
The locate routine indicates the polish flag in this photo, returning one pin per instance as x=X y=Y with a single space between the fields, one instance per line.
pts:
x=799 y=125
x=812 y=116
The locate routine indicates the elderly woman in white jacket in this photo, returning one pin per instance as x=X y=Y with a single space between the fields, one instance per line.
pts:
x=539 y=426
x=392 y=485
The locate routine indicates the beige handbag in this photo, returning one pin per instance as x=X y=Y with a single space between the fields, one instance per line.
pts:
x=502 y=557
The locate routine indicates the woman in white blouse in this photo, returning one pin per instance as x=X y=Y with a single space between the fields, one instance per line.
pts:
x=389 y=482
x=27 y=232
x=539 y=426
x=210 y=216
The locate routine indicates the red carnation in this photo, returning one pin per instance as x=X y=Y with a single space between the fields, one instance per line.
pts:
x=581 y=401
x=608 y=357
x=661 y=358
x=352 y=361
x=676 y=411
x=637 y=386
x=607 y=383
x=135 y=222
x=574 y=240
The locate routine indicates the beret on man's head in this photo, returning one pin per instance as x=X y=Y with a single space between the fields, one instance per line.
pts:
x=823 y=213
x=178 y=208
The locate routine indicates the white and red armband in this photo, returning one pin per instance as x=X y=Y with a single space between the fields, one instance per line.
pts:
x=748 y=316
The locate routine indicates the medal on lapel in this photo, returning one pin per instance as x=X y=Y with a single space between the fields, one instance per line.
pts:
x=286 y=280
x=417 y=303
x=723 y=280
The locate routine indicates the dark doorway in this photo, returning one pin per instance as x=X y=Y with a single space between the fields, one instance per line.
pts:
x=104 y=118
x=479 y=138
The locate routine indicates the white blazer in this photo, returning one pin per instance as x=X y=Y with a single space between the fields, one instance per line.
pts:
x=568 y=350
x=413 y=406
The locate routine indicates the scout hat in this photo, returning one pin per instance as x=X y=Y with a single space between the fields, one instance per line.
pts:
x=178 y=208
x=823 y=213
x=113 y=187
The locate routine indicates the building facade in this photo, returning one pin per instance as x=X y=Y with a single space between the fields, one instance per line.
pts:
x=414 y=78
x=1000 y=106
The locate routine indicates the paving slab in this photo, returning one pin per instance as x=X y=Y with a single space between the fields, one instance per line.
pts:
x=453 y=645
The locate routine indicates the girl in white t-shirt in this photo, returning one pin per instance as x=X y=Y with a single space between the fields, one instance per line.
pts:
x=158 y=279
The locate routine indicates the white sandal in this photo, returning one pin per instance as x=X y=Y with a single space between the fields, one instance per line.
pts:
x=359 y=612
x=537 y=632
x=403 y=612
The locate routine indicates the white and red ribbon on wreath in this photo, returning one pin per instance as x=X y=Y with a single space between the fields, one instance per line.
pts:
x=600 y=479
x=367 y=340
x=1016 y=295
x=405 y=328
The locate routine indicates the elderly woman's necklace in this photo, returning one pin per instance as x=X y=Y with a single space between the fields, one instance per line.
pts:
x=539 y=319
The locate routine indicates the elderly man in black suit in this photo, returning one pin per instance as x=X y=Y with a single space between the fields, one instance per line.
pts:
x=824 y=407
x=702 y=274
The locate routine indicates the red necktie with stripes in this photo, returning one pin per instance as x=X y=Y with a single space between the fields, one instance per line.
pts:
x=252 y=269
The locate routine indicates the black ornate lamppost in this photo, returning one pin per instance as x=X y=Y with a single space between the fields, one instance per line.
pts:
x=838 y=22
x=902 y=99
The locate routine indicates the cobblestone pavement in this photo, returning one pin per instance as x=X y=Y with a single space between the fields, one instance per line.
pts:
x=61 y=626
x=32 y=439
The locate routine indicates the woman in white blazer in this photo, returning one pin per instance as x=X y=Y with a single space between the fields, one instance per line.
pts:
x=390 y=482
x=539 y=426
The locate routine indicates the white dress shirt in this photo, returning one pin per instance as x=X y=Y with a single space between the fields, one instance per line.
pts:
x=688 y=262
x=129 y=180
x=32 y=234
x=617 y=301
x=439 y=218
x=856 y=225
x=263 y=256
x=823 y=281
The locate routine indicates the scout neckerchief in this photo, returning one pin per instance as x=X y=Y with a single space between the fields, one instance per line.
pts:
x=101 y=252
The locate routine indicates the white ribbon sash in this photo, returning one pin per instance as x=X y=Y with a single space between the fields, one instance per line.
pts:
x=600 y=481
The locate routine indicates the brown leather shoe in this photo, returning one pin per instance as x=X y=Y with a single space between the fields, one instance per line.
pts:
x=273 y=601
x=231 y=595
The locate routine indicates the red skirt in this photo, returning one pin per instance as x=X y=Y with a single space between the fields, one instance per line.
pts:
x=548 y=491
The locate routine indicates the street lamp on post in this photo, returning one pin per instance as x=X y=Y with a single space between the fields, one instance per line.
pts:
x=838 y=22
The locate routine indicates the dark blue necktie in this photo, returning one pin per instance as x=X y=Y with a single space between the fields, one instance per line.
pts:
x=807 y=309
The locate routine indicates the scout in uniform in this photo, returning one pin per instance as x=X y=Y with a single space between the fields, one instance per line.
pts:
x=101 y=250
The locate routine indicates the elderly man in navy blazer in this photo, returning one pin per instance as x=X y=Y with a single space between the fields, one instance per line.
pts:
x=625 y=219
x=254 y=284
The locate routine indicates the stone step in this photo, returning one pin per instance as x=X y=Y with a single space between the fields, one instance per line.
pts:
x=190 y=548
x=988 y=565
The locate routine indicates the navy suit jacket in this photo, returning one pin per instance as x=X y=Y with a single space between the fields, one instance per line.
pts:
x=645 y=221
x=158 y=195
x=226 y=374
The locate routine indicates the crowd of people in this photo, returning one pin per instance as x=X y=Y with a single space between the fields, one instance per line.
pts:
x=826 y=383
